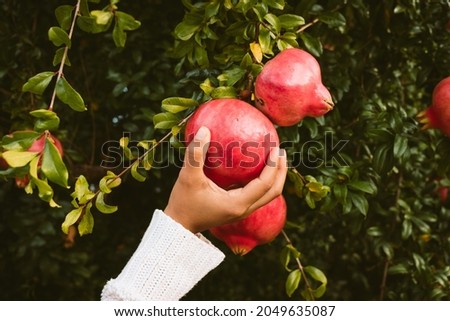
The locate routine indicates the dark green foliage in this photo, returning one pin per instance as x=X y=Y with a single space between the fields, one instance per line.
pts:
x=363 y=201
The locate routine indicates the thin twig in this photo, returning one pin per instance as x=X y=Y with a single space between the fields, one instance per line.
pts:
x=300 y=267
x=383 y=282
x=64 y=56
x=308 y=25
x=139 y=159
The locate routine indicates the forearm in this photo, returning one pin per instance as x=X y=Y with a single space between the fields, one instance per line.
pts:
x=167 y=264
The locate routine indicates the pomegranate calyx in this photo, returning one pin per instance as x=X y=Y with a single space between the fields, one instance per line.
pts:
x=427 y=119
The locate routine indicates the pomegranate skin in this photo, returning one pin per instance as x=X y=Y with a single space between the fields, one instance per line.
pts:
x=289 y=88
x=260 y=227
x=438 y=114
x=241 y=140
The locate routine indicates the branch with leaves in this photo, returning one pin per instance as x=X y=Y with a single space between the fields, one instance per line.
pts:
x=34 y=157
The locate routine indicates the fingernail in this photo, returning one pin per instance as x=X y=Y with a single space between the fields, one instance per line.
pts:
x=201 y=133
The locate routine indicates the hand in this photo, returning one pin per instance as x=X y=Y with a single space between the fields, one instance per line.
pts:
x=198 y=204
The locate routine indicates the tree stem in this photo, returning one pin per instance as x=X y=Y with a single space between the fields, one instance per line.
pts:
x=300 y=267
x=64 y=56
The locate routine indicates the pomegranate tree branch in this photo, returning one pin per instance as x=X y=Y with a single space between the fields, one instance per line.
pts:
x=303 y=28
x=151 y=149
x=300 y=267
x=64 y=56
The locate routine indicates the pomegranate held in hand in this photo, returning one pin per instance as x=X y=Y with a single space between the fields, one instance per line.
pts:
x=289 y=88
x=260 y=227
x=438 y=114
x=241 y=140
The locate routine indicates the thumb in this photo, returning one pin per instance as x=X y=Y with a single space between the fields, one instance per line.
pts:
x=197 y=149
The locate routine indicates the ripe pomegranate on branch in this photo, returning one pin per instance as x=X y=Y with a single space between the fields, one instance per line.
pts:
x=438 y=114
x=289 y=88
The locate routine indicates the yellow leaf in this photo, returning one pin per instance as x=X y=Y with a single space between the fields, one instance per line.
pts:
x=255 y=48
x=18 y=159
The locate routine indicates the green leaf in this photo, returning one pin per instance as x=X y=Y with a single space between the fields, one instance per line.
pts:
x=333 y=19
x=201 y=56
x=185 y=31
x=400 y=145
x=276 y=4
x=177 y=104
x=102 y=17
x=293 y=281
x=102 y=206
x=320 y=291
x=293 y=251
x=82 y=191
x=274 y=22
x=383 y=159
x=86 y=224
x=406 y=229
x=126 y=22
x=119 y=36
x=298 y=183
x=86 y=23
x=135 y=172
x=207 y=86
x=108 y=182
x=312 y=44
x=316 y=274
x=71 y=218
x=264 y=40
x=38 y=83
x=231 y=76
x=64 y=16
x=360 y=203
x=224 y=92
x=69 y=96
x=310 y=200
x=340 y=192
x=19 y=140
x=290 y=21
x=46 y=120
x=18 y=159
x=212 y=9
x=165 y=120
x=52 y=165
x=45 y=190
x=59 y=37
x=398 y=269
x=57 y=59
x=365 y=186
x=285 y=258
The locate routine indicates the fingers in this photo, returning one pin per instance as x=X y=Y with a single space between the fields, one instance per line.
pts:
x=268 y=185
x=278 y=184
x=196 y=151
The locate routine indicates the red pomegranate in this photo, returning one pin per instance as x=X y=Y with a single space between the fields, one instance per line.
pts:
x=438 y=114
x=260 y=227
x=241 y=140
x=289 y=88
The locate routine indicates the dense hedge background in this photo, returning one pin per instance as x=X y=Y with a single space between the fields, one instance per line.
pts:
x=386 y=238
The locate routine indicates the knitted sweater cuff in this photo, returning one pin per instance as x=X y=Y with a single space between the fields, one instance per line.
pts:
x=167 y=264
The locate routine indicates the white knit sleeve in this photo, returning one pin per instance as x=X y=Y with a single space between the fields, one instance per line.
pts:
x=167 y=264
